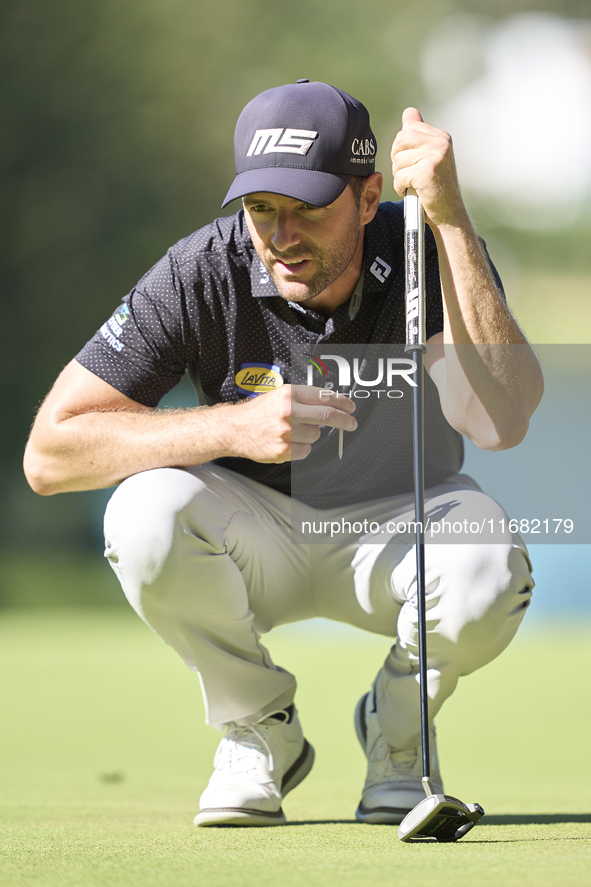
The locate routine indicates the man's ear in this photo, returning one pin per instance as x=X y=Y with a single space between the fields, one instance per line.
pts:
x=370 y=198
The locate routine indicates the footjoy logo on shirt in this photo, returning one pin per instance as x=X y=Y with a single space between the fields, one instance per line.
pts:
x=256 y=378
x=380 y=269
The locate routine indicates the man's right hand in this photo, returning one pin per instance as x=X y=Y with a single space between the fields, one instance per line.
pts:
x=281 y=425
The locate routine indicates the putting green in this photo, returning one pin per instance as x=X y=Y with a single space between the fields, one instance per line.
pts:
x=104 y=755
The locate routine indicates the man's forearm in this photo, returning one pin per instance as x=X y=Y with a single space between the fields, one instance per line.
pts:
x=493 y=382
x=475 y=311
x=99 y=449
x=87 y=435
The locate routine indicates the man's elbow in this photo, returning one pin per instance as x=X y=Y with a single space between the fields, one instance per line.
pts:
x=495 y=438
x=39 y=474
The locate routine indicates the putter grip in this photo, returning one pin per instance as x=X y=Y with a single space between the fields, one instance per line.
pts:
x=414 y=248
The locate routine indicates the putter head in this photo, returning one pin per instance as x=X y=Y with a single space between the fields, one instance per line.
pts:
x=440 y=817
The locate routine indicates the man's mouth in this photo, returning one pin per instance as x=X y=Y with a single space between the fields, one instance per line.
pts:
x=292 y=266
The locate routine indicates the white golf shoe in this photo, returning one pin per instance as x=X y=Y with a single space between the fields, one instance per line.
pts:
x=393 y=785
x=255 y=767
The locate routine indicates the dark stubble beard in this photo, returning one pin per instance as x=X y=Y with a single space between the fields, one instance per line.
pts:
x=329 y=267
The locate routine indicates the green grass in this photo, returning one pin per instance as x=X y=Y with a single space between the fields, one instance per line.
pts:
x=104 y=755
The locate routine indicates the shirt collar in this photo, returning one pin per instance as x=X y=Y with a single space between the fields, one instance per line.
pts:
x=260 y=279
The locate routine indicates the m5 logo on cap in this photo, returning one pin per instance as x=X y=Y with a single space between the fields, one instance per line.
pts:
x=281 y=141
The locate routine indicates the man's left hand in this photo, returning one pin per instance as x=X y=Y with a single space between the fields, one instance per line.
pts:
x=423 y=159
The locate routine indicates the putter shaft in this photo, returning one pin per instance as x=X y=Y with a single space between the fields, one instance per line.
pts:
x=414 y=233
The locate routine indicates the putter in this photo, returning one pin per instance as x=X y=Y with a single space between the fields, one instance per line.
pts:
x=437 y=816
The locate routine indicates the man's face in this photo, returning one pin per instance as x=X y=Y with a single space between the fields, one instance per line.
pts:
x=304 y=248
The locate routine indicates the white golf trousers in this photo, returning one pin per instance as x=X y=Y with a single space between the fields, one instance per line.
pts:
x=205 y=556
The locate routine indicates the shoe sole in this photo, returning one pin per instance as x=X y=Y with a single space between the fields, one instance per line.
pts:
x=238 y=816
x=381 y=815
x=245 y=816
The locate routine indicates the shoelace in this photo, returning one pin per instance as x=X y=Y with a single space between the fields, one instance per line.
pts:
x=406 y=756
x=238 y=738
x=397 y=758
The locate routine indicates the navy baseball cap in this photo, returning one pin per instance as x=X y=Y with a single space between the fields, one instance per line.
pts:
x=304 y=140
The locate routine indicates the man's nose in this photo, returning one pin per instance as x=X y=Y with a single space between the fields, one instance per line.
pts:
x=287 y=231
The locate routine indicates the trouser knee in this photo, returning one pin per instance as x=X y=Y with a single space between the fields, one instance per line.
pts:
x=144 y=528
x=476 y=596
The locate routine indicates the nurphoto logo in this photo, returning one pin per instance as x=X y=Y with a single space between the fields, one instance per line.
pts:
x=388 y=371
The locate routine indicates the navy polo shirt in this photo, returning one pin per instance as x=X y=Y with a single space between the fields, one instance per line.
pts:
x=210 y=308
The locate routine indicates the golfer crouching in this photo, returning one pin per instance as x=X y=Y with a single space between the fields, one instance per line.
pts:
x=208 y=528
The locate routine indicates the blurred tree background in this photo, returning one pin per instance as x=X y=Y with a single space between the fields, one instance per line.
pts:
x=118 y=120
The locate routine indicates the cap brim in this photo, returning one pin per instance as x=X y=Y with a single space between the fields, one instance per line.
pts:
x=308 y=185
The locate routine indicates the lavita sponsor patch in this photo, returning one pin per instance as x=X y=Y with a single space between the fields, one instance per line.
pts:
x=256 y=378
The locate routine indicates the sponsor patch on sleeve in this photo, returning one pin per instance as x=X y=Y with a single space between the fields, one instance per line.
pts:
x=112 y=329
x=256 y=378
